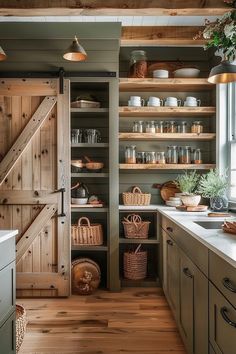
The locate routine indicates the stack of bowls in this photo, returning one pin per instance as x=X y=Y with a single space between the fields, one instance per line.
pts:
x=174 y=201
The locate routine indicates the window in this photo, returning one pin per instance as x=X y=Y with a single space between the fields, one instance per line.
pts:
x=232 y=140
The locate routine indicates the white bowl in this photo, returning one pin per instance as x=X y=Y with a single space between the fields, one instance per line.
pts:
x=175 y=199
x=160 y=74
x=173 y=203
x=79 y=201
x=191 y=200
x=187 y=72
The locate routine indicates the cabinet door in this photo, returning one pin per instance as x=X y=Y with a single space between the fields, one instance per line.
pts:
x=222 y=316
x=7 y=292
x=171 y=272
x=7 y=336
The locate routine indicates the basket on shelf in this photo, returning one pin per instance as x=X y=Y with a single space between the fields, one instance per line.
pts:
x=21 y=323
x=135 y=227
x=85 y=233
x=135 y=264
x=86 y=276
x=136 y=197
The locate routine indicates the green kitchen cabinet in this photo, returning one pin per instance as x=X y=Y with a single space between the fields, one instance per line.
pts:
x=7 y=336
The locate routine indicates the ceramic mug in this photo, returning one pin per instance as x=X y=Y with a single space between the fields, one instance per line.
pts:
x=154 y=101
x=172 y=102
x=136 y=101
x=192 y=102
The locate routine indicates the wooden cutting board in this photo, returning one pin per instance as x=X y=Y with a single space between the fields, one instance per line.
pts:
x=192 y=208
x=167 y=189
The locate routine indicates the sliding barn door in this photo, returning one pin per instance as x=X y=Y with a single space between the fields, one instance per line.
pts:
x=34 y=182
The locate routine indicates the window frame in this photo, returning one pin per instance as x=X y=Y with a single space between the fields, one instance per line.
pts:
x=231 y=132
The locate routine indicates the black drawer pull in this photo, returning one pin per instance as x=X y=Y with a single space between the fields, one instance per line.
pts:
x=186 y=271
x=228 y=285
x=170 y=242
x=223 y=312
x=170 y=229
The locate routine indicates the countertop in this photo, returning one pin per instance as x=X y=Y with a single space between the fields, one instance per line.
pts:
x=221 y=243
x=6 y=234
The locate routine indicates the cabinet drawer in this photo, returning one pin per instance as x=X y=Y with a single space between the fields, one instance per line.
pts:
x=7 y=336
x=7 y=292
x=7 y=252
x=223 y=275
x=197 y=252
x=222 y=317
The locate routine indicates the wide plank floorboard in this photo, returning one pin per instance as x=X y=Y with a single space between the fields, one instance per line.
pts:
x=135 y=321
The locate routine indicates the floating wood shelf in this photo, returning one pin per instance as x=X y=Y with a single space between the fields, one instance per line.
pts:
x=126 y=166
x=138 y=240
x=89 y=110
x=166 y=136
x=87 y=145
x=90 y=175
x=89 y=248
x=126 y=111
x=77 y=208
x=150 y=207
x=165 y=85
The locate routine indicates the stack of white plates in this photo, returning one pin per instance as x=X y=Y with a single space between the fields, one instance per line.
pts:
x=174 y=202
x=160 y=74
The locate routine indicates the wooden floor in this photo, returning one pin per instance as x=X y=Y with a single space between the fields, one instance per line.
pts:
x=133 y=321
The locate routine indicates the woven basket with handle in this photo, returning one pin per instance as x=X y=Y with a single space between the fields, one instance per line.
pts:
x=135 y=227
x=85 y=233
x=20 y=325
x=136 y=197
x=135 y=264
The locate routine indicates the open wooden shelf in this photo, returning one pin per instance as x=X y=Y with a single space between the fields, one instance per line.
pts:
x=165 y=85
x=89 y=110
x=150 y=207
x=89 y=248
x=151 y=240
x=166 y=136
x=147 y=166
x=77 y=208
x=90 y=175
x=87 y=145
x=127 y=111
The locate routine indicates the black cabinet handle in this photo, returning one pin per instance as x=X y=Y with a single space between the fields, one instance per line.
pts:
x=186 y=271
x=170 y=229
x=223 y=312
x=170 y=242
x=228 y=285
x=62 y=191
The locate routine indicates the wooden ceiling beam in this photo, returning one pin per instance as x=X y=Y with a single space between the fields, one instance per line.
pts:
x=113 y=8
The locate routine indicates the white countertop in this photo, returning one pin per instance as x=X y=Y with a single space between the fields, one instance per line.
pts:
x=6 y=234
x=216 y=240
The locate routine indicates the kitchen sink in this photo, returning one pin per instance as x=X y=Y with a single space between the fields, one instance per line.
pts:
x=210 y=224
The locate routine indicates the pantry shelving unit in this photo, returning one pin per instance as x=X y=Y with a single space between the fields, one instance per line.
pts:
x=102 y=184
x=153 y=166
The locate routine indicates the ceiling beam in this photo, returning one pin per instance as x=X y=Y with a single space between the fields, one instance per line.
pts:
x=160 y=35
x=113 y=8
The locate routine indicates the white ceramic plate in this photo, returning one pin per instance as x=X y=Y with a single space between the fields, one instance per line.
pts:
x=187 y=72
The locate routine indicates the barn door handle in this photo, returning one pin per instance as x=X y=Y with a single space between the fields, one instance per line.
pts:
x=223 y=312
x=62 y=191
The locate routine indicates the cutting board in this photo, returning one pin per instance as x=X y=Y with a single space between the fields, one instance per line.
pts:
x=192 y=208
x=167 y=189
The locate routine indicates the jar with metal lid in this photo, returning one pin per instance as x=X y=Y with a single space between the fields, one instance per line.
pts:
x=141 y=157
x=182 y=127
x=197 y=156
x=138 y=64
x=150 y=127
x=160 y=157
x=138 y=127
x=172 y=154
x=130 y=154
x=166 y=127
x=76 y=136
x=159 y=127
x=151 y=157
x=197 y=127
x=172 y=128
x=185 y=154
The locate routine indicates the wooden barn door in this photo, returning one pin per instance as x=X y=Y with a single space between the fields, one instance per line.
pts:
x=34 y=182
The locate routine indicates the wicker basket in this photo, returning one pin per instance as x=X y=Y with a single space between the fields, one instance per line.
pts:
x=135 y=264
x=136 y=197
x=86 y=233
x=135 y=227
x=21 y=323
x=86 y=276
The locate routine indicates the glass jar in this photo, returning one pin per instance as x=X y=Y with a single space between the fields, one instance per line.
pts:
x=172 y=128
x=138 y=127
x=197 y=127
x=159 y=126
x=197 y=156
x=172 y=154
x=141 y=157
x=130 y=154
x=182 y=127
x=150 y=127
x=76 y=136
x=166 y=127
x=185 y=154
x=151 y=157
x=138 y=64
x=160 y=157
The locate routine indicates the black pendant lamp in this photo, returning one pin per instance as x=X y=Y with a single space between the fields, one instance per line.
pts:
x=3 y=55
x=223 y=73
x=75 y=52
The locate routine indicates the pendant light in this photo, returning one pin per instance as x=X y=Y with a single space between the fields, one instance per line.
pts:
x=3 y=55
x=75 y=52
x=223 y=73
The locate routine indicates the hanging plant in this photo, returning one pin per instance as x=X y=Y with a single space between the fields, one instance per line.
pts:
x=221 y=34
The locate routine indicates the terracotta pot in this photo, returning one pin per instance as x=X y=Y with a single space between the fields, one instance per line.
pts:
x=191 y=200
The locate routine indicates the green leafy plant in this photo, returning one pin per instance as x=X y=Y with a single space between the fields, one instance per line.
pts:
x=213 y=184
x=187 y=182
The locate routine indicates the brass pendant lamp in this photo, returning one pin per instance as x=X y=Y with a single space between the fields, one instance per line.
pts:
x=75 y=52
x=3 y=55
x=223 y=73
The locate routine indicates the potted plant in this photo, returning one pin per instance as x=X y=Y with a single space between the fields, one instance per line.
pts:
x=213 y=185
x=187 y=183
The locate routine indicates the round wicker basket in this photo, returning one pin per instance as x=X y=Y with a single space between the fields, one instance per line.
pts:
x=21 y=323
x=86 y=276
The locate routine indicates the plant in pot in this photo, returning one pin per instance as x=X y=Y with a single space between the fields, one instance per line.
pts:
x=187 y=183
x=213 y=185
